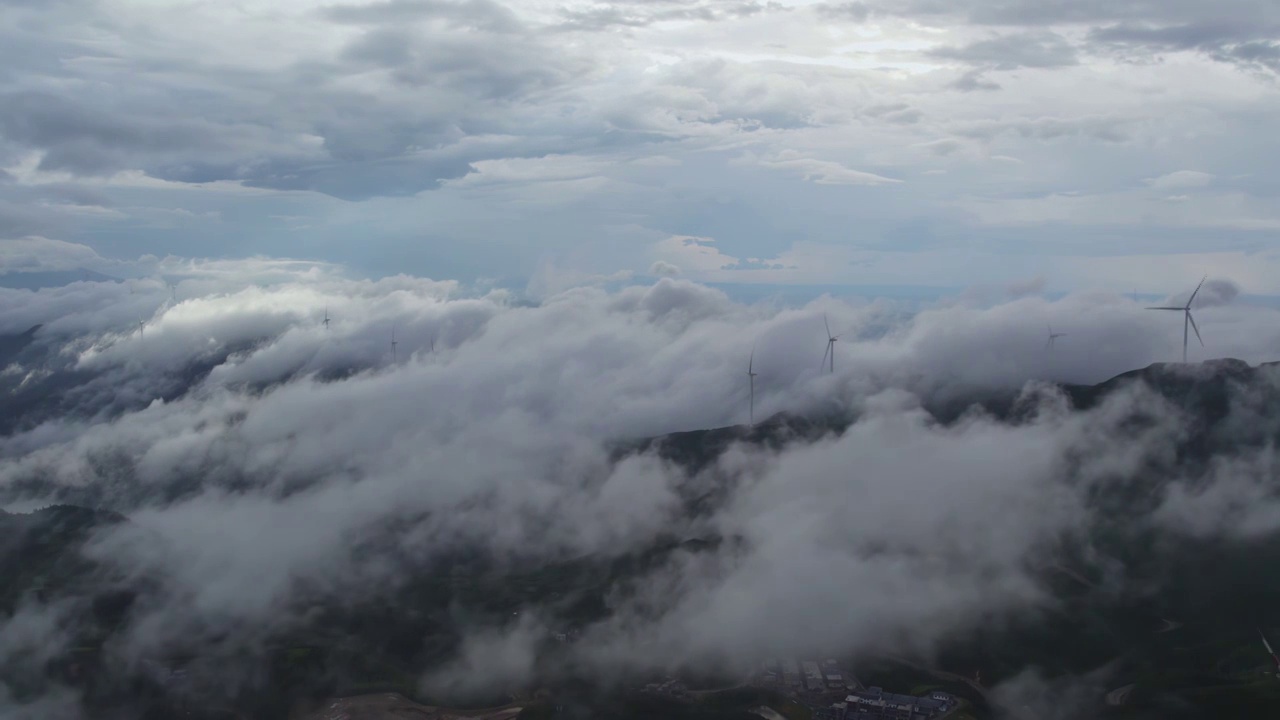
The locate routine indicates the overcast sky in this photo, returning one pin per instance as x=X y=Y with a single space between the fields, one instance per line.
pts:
x=1125 y=144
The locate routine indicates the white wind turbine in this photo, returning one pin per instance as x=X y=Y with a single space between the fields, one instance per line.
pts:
x=1186 y=318
x=1052 y=336
x=1275 y=658
x=831 y=346
x=751 y=377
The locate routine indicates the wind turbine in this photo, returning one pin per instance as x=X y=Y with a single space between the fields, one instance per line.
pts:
x=1271 y=652
x=751 y=376
x=393 y=344
x=1052 y=336
x=831 y=345
x=173 y=293
x=325 y=322
x=1186 y=318
x=142 y=324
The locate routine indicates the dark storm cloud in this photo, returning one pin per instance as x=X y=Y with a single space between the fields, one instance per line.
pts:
x=1230 y=40
x=85 y=140
x=1265 y=53
x=499 y=70
x=1009 y=52
x=475 y=72
x=1177 y=37
x=357 y=180
x=1243 y=32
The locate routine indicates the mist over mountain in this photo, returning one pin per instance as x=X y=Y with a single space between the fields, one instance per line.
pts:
x=231 y=477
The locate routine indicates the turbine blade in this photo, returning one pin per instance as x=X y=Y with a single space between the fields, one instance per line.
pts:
x=1048 y=343
x=1193 y=293
x=1165 y=307
x=751 y=361
x=824 y=322
x=824 y=355
x=1193 y=327
x=846 y=331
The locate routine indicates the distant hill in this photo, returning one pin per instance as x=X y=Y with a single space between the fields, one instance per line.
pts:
x=40 y=550
x=695 y=449
x=1174 y=616
x=1204 y=392
x=13 y=345
x=1124 y=577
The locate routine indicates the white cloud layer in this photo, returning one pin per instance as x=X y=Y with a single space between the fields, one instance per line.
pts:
x=256 y=448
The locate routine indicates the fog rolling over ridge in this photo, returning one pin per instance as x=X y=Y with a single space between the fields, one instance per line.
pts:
x=269 y=464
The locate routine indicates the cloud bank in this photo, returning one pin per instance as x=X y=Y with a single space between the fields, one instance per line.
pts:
x=268 y=459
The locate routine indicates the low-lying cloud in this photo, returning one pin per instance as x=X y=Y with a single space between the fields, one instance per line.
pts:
x=266 y=456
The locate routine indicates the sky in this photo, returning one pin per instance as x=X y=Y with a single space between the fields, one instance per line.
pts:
x=1123 y=145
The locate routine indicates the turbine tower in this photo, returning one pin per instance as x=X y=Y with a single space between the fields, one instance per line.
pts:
x=831 y=346
x=1052 y=336
x=1186 y=318
x=173 y=293
x=751 y=377
x=393 y=344
x=142 y=324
